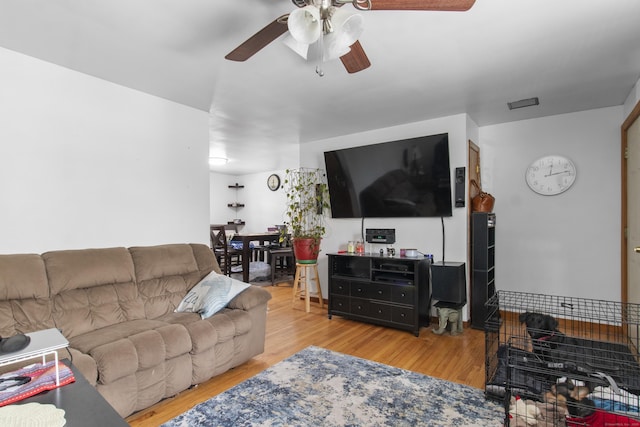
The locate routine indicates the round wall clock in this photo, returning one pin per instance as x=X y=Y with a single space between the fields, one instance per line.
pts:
x=551 y=175
x=273 y=182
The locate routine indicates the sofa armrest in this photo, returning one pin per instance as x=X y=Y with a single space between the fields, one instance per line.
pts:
x=251 y=297
x=85 y=364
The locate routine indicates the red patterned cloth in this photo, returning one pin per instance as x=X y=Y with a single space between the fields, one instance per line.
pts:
x=603 y=419
x=43 y=377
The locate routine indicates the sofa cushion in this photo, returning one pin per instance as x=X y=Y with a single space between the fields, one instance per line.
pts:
x=205 y=259
x=90 y=340
x=211 y=294
x=206 y=333
x=165 y=273
x=87 y=268
x=92 y=289
x=176 y=342
x=116 y=359
x=25 y=305
x=240 y=319
x=22 y=276
x=129 y=347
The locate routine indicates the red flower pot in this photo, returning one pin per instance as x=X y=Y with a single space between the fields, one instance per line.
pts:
x=306 y=250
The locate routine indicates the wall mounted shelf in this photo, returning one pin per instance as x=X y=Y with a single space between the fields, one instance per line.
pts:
x=235 y=205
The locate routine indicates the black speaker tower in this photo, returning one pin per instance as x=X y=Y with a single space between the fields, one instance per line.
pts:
x=460 y=187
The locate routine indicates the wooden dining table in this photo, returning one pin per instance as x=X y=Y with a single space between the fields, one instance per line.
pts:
x=246 y=239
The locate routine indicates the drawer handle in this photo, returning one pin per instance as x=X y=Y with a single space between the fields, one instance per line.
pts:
x=401 y=314
x=403 y=295
x=379 y=311
x=379 y=292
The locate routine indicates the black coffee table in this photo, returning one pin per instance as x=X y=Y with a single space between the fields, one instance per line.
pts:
x=82 y=403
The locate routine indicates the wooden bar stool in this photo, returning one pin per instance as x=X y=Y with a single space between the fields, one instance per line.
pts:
x=301 y=284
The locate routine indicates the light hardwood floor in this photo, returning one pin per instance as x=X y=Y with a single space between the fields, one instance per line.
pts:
x=290 y=329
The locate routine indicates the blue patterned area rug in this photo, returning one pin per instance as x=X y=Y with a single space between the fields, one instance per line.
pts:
x=318 y=387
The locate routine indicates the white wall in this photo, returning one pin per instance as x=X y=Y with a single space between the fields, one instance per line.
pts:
x=263 y=207
x=566 y=244
x=220 y=196
x=87 y=163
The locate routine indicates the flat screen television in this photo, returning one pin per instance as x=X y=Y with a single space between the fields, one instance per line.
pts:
x=404 y=178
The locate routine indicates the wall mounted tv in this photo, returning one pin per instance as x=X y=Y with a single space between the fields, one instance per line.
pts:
x=404 y=178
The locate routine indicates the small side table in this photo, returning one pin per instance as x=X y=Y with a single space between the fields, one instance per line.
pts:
x=42 y=344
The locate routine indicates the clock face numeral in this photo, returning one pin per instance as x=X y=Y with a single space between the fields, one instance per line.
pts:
x=551 y=175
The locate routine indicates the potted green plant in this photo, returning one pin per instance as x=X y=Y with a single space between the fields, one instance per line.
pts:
x=307 y=202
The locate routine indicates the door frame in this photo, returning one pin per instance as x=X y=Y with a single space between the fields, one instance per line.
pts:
x=629 y=121
x=473 y=173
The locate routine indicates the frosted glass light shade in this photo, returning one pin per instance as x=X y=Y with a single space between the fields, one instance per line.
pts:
x=305 y=25
x=306 y=37
x=301 y=49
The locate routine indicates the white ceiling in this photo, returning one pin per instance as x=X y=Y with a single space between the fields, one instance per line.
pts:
x=572 y=54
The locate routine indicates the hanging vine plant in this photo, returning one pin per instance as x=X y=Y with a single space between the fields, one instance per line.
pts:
x=307 y=204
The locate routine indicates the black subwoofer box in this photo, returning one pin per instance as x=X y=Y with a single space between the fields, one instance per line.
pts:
x=448 y=282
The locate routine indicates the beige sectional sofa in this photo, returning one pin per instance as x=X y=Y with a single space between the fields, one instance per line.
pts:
x=116 y=308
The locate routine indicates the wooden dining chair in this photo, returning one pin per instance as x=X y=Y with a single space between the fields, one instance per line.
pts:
x=282 y=260
x=226 y=255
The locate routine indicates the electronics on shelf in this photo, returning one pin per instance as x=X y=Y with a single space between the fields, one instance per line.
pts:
x=381 y=235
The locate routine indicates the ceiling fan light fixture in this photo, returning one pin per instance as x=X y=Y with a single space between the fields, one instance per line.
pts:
x=320 y=40
x=529 y=102
x=313 y=52
x=301 y=49
x=333 y=49
x=305 y=25
x=348 y=28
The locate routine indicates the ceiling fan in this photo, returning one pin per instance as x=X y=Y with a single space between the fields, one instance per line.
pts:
x=316 y=17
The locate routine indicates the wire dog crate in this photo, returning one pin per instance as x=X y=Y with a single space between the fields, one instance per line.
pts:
x=563 y=361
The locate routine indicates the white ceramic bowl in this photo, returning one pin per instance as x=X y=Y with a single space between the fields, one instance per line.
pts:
x=411 y=253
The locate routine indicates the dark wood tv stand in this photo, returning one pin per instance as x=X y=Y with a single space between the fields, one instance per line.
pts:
x=388 y=291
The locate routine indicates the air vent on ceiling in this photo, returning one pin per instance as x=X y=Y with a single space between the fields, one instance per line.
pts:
x=523 y=103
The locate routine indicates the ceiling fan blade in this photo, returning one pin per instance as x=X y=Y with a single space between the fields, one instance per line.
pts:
x=444 y=5
x=356 y=60
x=259 y=40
